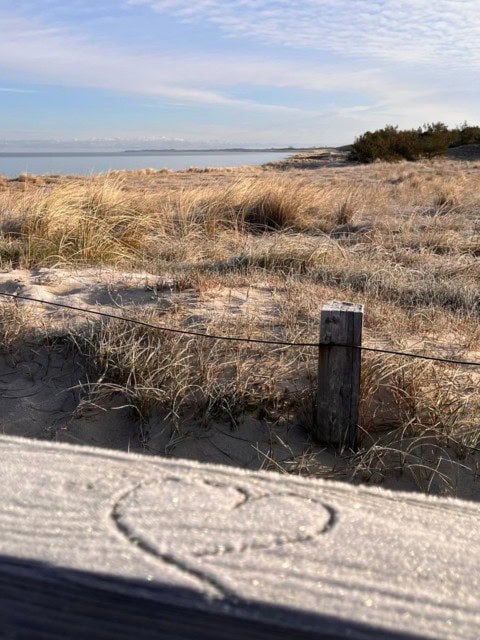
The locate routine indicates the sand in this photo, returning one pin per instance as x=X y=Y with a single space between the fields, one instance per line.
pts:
x=43 y=386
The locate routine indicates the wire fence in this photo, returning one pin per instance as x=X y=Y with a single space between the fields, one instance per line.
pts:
x=212 y=336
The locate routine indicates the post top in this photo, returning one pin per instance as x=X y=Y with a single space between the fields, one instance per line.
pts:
x=351 y=307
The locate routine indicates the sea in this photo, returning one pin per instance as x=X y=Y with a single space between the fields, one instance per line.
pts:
x=89 y=163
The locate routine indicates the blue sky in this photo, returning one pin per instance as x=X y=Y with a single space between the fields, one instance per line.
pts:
x=234 y=71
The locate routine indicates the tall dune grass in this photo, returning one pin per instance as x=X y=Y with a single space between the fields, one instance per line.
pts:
x=85 y=223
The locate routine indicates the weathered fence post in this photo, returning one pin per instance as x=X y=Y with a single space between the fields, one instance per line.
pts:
x=339 y=374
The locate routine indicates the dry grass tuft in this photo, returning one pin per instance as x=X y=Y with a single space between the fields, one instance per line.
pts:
x=346 y=211
x=445 y=201
x=17 y=323
x=419 y=419
x=185 y=377
x=97 y=222
x=273 y=209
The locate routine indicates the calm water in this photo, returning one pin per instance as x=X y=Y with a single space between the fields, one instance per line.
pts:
x=81 y=164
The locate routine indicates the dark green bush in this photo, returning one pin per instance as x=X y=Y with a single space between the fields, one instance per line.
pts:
x=371 y=145
x=388 y=144
x=434 y=139
x=428 y=141
x=466 y=134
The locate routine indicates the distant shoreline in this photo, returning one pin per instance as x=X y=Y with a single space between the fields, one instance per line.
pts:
x=229 y=150
x=148 y=152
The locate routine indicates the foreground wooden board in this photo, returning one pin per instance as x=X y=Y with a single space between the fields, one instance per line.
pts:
x=96 y=544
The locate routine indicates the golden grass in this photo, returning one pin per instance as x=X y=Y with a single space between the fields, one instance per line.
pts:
x=186 y=377
x=78 y=222
x=403 y=239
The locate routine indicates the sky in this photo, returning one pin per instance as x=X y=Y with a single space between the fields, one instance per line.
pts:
x=175 y=73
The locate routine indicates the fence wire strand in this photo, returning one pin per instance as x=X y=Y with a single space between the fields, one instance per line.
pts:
x=212 y=336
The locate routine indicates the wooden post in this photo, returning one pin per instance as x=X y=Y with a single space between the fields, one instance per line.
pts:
x=339 y=375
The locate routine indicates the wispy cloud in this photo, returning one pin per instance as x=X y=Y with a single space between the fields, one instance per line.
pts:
x=59 y=55
x=413 y=31
x=15 y=90
x=56 y=55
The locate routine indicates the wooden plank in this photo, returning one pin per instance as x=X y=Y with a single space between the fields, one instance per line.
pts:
x=339 y=371
x=106 y=545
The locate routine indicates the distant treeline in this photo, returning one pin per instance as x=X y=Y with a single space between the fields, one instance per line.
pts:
x=430 y=140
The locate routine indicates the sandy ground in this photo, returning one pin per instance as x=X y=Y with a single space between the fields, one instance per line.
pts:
x=42 y=386
x=317 y=159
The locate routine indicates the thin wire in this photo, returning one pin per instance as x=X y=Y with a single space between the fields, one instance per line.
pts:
x=212 y=336
x=163 y=328
x=413 y=355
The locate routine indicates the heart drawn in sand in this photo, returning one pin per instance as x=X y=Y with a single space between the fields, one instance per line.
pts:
x=201 y=519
